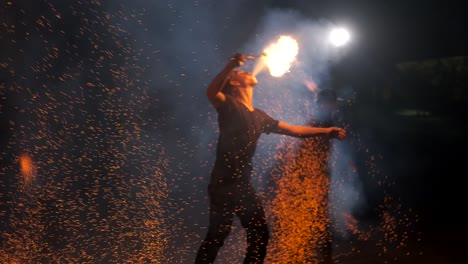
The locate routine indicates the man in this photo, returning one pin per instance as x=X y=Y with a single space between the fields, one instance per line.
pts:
x=230 y=189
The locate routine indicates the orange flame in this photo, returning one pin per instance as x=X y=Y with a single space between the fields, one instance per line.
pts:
x=27 y=169
x=280 y=55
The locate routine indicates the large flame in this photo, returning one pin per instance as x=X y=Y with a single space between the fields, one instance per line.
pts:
x=280 y=55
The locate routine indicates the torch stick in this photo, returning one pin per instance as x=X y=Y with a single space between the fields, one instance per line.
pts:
x=251 y=57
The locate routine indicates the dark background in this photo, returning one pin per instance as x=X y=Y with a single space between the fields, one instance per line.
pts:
x=416 y=124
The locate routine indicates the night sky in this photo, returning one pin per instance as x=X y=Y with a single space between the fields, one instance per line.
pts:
x=393 y=31
x=99 y=90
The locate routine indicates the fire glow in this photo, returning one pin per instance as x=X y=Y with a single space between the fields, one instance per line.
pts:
x=280 y=55
x=26 y=168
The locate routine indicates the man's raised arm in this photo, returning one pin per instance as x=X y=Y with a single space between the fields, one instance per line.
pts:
x=213 y=92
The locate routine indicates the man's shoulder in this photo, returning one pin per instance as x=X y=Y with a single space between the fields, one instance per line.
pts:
x=263 y=115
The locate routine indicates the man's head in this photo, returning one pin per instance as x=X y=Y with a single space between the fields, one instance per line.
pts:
x=238 y=79
x=326 y=101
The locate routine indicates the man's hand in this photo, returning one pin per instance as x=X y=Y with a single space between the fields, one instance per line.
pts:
x=237 y=60
x=213 y=92
x=336 y=132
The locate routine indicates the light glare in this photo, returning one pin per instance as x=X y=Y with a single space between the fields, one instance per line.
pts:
x=339 y=37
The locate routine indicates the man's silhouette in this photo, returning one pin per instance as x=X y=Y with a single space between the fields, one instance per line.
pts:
x=230 y=190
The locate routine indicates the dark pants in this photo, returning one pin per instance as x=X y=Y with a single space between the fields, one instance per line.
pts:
x=326 y=249
x=244 y=203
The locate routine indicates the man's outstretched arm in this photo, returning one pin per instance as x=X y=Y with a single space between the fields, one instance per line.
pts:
x=213 y=92
x=307 y=131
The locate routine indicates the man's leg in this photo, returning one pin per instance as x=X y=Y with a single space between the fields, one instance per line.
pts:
x=253 y=220
x=221 y=217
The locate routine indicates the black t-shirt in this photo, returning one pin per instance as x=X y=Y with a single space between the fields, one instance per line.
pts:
x=239 y=131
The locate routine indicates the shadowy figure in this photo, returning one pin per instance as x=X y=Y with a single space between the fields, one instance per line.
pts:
x=326 y=102
x=230 y=190
x=301 y=182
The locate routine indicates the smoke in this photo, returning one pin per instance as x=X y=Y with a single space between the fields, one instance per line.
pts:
x=346 y=187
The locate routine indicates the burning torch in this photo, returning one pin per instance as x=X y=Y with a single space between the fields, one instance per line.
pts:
x=252 y=57
x=277 y=57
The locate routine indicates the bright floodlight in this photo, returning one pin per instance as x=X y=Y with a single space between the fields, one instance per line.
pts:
x=339 y=37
